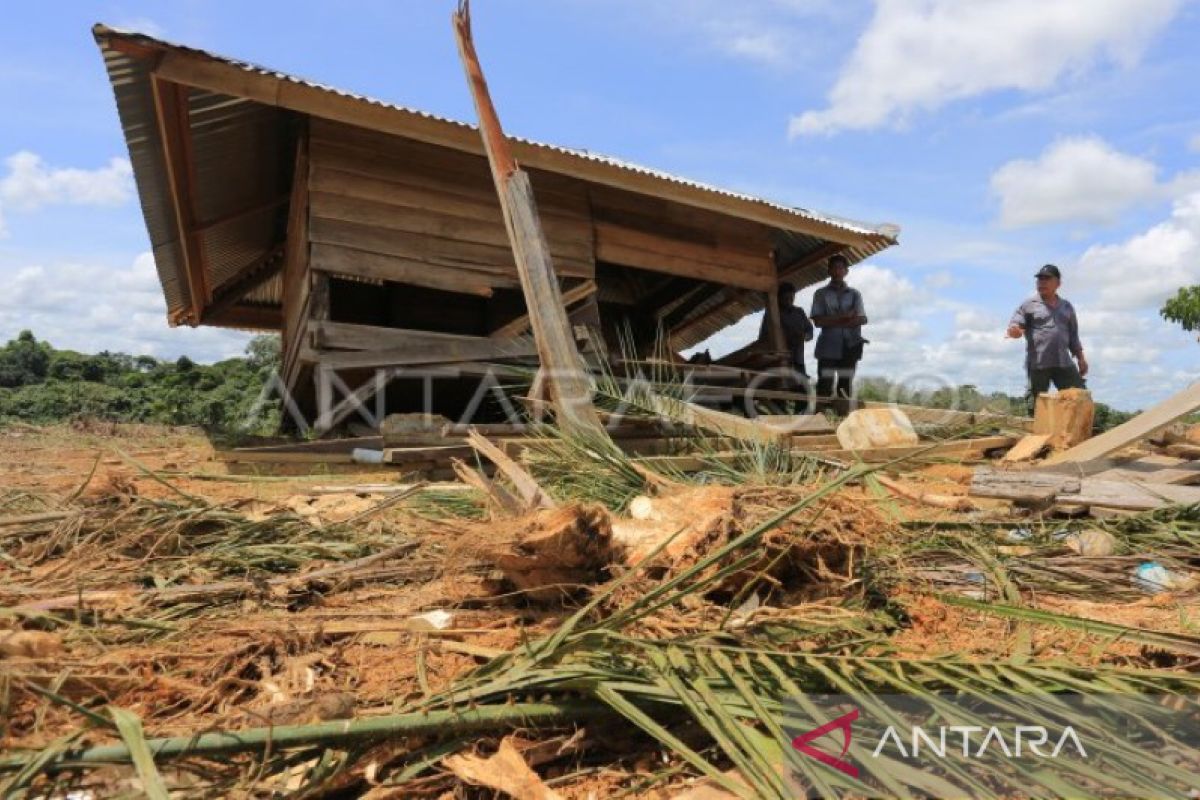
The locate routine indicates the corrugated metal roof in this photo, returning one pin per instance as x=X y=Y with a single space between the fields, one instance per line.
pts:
x=888 y=230
x=235 y=135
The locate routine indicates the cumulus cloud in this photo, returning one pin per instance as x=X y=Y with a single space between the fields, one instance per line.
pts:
x=1144 y=270
x=30 y=184
x=1077 y=179
x=918 y=55
x=90 y=307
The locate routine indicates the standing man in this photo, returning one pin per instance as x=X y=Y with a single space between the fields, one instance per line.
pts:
x=838 y=311
x=1051 y=330
x=796 y=328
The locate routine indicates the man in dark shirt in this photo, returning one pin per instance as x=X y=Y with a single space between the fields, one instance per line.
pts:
x=796 y=328
x=1051 y=330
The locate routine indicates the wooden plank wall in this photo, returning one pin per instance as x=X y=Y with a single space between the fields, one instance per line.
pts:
x=671 y=238
x=393 y=209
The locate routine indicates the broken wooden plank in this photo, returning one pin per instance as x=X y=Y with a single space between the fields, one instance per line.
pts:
x=415 y=455
x=1154 y=469
x=919 y=415
x=521 y=324
x=1141 y=426
x=718 y=422
x=1183 y=450
x=961 y=449
x=1029 y=447
x=1043 y=487
x=908 y=492
x=527 y=487
x=497 y=495
x=568 y=385
x=798 y=424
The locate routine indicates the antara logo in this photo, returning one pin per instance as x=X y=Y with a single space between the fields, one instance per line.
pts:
x=842 y=723
x=1033 y=737
x=975 y=741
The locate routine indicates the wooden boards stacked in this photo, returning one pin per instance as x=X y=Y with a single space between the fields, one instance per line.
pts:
x=391 y=209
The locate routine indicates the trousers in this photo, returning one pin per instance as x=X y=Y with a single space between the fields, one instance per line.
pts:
x=835 y=378
x=1062 y=377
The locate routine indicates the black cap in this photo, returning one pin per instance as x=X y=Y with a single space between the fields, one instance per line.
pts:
x=787 y=288
x=1048 y=271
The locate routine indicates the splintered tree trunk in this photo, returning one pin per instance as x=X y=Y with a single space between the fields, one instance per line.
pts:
x=569 y=389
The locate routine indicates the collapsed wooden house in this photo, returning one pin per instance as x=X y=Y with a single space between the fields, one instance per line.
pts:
x=370 y=236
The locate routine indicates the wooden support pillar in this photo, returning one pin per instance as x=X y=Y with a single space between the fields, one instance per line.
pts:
x=775 y=323
x=566 y=381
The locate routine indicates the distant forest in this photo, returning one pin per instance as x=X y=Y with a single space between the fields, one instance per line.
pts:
x=40 y=384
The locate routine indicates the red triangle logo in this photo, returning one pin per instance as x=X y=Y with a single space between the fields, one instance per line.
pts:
x=842 y=723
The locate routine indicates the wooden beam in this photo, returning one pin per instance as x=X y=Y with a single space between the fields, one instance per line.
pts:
x=244 y=281
x=699 y=295
x=775 y=324
x=521 y=324
x=174 y=129
x=250 y=318
x=960 y=449
x=431 y=352
x=719 y=422
x=1041 y=487
x=944 y=416
x=329 y=335
x=559 y=357
x=1141 y=426
x=338 y=260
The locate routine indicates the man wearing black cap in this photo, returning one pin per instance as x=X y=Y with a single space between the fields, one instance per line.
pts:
x=1051 y=330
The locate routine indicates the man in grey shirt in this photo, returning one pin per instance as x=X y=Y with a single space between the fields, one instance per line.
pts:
x=1051 y=330
x=838 y=311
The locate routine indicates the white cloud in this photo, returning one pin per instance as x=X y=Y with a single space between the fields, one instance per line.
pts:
x=89 y=307
x=1077 y=179
x=918 y=55
x=1141 y=272
x=30 y=184
x=1194 y=143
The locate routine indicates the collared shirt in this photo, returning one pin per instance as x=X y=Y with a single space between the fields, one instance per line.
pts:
x=835 y=301
x=1051 y=333
x=797 y=329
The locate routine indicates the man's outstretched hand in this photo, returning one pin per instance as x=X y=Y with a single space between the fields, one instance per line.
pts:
x=1015 y=332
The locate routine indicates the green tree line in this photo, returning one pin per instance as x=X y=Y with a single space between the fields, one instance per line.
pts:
x=39 y=384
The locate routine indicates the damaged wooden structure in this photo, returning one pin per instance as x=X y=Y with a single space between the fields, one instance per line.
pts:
x=372 y=238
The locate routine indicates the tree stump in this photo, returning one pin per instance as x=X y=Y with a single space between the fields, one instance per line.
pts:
x=1066 y=417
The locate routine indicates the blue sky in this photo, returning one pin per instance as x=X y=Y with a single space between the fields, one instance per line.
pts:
x=999 y=134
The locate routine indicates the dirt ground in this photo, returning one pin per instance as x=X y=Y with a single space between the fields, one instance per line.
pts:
x=303 y=650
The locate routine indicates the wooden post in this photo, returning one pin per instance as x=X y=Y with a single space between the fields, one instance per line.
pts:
x=568 y=386
x=775 y=324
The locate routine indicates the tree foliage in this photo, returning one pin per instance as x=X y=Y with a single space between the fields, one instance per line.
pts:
x=1183 y=308
x=41 y=384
